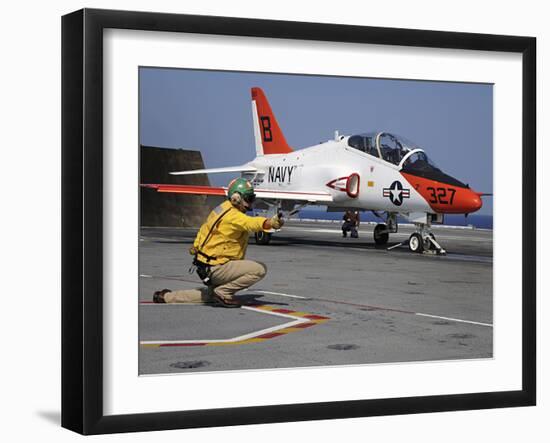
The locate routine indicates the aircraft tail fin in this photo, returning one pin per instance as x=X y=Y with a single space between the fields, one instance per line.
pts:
x=268 y=134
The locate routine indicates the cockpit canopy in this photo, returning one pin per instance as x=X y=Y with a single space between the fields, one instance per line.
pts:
x=419 y=161
x=400 y=151
x=389 y=147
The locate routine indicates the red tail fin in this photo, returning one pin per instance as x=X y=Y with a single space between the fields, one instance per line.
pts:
x=268 y=134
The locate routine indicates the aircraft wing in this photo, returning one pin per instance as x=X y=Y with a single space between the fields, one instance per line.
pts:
x=188 y=189
x=243 y=168
x=264 y=194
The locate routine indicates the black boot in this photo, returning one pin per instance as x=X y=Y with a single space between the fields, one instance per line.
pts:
x=158 y=296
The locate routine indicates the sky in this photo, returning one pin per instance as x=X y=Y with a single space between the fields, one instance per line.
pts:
x=211 y=111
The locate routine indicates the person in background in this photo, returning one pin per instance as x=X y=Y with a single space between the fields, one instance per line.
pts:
x=351 y=224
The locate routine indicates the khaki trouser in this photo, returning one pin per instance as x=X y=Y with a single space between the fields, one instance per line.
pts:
x=227 y=279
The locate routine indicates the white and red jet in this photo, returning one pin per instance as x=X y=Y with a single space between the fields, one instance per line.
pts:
x=375 y=171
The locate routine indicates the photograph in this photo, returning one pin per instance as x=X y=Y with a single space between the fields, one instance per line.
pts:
x=299 y=221
x=288 y=219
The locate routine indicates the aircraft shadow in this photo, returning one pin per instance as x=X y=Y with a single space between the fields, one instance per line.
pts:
x=351 y=243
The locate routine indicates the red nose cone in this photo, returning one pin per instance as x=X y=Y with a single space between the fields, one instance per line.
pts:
x=445 y=198
x=473 y=203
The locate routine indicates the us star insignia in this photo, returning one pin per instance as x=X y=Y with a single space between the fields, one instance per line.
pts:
x=396 y=193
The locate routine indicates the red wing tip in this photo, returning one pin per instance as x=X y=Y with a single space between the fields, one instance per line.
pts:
x=186 y=189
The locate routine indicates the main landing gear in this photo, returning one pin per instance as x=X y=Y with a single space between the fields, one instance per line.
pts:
x=382 y=231
x=262 y=238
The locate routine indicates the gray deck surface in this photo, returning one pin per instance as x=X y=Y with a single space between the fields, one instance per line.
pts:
x=383 y=306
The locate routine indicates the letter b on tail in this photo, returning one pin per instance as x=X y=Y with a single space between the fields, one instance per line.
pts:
x=268 y=134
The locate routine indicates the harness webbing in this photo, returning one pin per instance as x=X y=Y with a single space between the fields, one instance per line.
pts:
x=208 y=257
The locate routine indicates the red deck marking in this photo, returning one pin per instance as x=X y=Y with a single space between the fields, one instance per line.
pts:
x=369 y=307
x=271 y=335
x=305 y=325
x=315 y=317
x=283 y=311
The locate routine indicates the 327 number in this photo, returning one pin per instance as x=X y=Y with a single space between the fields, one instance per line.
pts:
x=443 y=196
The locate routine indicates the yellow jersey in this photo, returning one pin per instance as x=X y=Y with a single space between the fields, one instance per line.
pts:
x=229 y=239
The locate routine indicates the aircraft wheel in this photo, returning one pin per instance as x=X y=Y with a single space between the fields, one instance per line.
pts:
x=381 y=238
x=416 y=243
x=262 y=238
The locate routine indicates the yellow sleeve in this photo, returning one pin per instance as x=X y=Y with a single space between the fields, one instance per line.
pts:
x=247 y=223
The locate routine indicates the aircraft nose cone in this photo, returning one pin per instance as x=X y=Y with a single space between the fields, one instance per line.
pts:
x=473 y=203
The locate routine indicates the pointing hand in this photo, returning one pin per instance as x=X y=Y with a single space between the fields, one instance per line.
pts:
x=276 y=221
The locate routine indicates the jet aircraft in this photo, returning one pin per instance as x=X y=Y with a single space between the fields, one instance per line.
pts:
x=372 y=171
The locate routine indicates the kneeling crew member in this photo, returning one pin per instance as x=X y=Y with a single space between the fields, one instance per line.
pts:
x=219 y=251
x=351 y=223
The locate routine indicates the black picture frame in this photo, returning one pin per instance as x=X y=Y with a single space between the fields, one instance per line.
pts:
x=82 y=218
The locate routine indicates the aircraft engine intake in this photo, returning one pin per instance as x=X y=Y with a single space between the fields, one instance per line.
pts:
x=348 y=187
x=352 y=185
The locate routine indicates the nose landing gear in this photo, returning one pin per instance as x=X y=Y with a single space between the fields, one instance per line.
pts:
x=423 y=241
x=416 y=244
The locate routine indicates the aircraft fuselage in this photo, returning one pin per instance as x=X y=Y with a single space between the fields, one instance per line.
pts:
x=375 y=184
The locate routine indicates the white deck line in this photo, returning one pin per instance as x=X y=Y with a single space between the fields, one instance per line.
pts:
x=415 y=313
x=296 y=321
x=278 y=293
x=454 y=319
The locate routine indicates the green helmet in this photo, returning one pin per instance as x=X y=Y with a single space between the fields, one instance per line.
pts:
x=243 y=187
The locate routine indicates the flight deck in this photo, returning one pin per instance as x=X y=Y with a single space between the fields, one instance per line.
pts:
x=325 y=301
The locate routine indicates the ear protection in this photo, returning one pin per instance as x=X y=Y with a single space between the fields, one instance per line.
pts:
x=236 y=199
